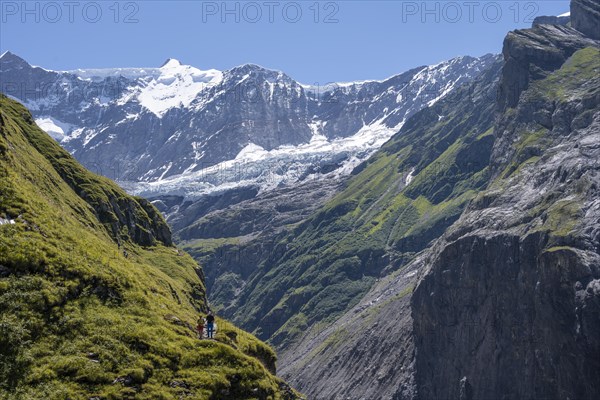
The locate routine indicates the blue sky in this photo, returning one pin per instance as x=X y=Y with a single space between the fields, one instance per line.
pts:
x=314 y=42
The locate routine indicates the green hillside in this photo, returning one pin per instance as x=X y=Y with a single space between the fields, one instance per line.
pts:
x=95 y=302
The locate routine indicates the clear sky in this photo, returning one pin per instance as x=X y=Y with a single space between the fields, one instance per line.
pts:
x=313 y=42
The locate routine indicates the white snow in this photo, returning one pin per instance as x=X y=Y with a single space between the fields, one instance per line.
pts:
x=447 y=89
x=7 y=221
x=329 y=87
x=166 y=168
x=172 y=85
x=39 y=103
x=176 y=85
x=567 y=14
x=255 y=165
x=409 y=177
x=252 y=152
x=290 y=164
x=75 y=133
x=98 y=74
x=89 y=135
x=53 y=127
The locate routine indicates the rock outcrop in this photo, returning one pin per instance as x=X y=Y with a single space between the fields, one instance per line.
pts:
x=585 y=17
x=531 y=54
x=551 y=20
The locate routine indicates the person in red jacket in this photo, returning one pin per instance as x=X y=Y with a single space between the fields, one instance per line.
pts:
x=200 y=327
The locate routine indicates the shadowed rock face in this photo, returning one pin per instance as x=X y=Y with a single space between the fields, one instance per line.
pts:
x=585 y=17
x=511 y=318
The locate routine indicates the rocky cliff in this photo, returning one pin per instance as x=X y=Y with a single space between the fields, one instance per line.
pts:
x=443 y=154
x=511 y=305
x=585 y=17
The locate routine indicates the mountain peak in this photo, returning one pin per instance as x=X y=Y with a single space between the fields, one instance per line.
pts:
x=171 y=62
x=8 y=55
x=256 y=71
x=11 y=60
x=249 y=67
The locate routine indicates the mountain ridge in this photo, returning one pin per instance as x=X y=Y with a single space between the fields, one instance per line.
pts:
x=210 y=119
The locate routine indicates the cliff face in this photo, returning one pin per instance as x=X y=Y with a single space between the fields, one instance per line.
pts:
x=530 y=54
x=504 y=316
x=511 y=305
x=585 y=17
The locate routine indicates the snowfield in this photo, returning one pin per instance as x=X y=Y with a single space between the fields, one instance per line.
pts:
x=255 y=166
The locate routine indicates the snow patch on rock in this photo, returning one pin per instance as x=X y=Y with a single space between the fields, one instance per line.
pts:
x=53 y=127
x=410 y=177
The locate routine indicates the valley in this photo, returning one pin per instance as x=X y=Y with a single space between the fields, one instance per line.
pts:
x=433 y=235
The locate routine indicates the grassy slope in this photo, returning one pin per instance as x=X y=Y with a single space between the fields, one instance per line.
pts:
x=78 y=318
x=376 y=223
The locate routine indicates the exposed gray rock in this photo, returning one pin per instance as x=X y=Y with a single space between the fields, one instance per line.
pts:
x=367 y=354
x=585 y=17
x=551 y=20
x=503 y=302
x=530 y=54
x=503 y=311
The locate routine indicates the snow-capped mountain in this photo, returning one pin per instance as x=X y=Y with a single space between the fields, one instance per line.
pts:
x=179 y=129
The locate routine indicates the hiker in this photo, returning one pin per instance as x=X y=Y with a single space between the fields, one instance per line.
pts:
x=210 y=325
x=200 y=327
